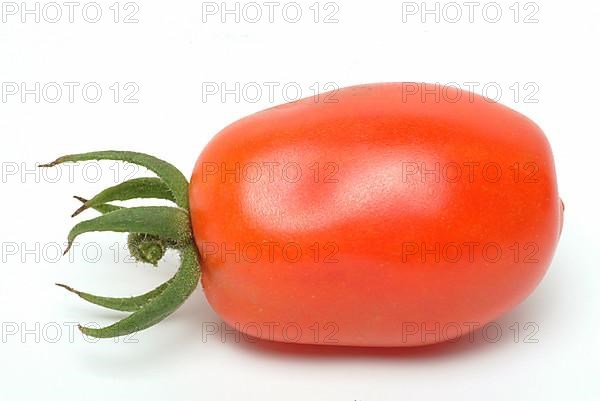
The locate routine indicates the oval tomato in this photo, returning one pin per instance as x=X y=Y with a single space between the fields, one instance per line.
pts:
x=378 y=215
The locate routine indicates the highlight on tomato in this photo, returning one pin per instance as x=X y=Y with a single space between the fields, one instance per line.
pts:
x=397 y=214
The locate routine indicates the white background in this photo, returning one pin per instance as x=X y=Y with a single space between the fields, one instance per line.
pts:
x=171 y=55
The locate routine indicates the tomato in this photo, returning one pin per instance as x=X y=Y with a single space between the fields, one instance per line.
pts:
x=378 y=215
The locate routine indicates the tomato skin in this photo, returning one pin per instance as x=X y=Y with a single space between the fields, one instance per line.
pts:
x=384 y=270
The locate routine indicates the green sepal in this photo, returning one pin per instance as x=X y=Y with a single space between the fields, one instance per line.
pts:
x=143 y=247
x=168 y=223
x=152 y=229
x=129 y=304
x=172 y=177
x=179 y=289
x=107 y=208
x=144 y=188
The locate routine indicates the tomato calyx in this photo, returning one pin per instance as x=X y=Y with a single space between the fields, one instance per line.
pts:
x=152 y=230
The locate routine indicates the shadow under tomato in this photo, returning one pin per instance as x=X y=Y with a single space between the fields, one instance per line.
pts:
x=336 y=351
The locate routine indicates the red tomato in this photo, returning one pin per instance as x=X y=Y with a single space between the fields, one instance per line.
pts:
x=379 y=215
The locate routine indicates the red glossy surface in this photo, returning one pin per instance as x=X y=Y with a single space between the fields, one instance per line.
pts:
x=407 y=213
